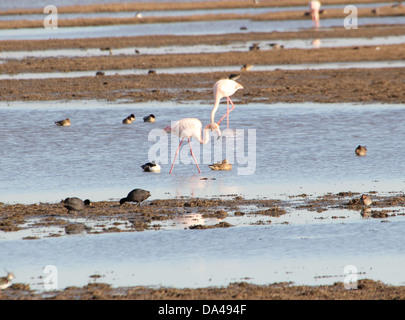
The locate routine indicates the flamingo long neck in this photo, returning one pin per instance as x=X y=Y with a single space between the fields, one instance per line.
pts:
x=205 y=137
x=215 y=108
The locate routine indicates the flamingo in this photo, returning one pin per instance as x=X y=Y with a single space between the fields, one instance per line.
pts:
x=314 y=6
x=191 y=128
x=224 y=88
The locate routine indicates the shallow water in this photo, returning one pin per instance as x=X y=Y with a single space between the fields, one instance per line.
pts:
x=234 y=47
x=300 y=148
x=192 y=28
x=311 y=254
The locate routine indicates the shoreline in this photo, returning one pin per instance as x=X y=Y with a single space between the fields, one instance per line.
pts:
x=156 y=211
x=238 y=291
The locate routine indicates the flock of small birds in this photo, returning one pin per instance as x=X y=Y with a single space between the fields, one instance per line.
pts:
x=128 y=120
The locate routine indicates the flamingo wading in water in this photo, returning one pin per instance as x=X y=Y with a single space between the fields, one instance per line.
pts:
x=314 y=6
x=224 y=88
x=191 y=128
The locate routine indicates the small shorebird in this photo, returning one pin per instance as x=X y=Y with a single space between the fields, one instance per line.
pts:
x=5 y=282
x=361 y=151
x=63 y=123
x=149 y=118
x=151 y=167
x=136 y=195
x=365 y=200
x=222 y=165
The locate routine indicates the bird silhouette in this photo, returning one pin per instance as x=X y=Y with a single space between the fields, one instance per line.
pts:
x=136 y=195
x=191 y=128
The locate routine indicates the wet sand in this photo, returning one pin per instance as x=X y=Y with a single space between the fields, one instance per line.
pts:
x=352 y=85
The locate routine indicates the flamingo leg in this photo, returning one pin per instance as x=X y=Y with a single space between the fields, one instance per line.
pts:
x=228 y=112
x=192 y=153
x=175 y=156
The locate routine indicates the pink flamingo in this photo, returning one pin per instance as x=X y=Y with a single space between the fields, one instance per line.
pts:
x=224 y=88
x=189 y=128
x=314 y=6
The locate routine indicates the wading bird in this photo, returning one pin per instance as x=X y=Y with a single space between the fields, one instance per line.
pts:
x=222 y=165
x=314 y=6
x=224 y=88
x=191 y=128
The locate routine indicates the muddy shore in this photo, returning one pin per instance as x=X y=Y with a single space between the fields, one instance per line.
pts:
x=152 y=213
x=335 y=85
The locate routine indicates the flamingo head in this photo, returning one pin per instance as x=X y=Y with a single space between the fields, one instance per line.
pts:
x=214 y=127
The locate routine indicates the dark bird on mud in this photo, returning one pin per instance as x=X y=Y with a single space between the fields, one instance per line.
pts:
x=149 y=118
x=63 y=123
x=151 y=167
x=136 y=195
x=75 y=204
x=361 y=151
